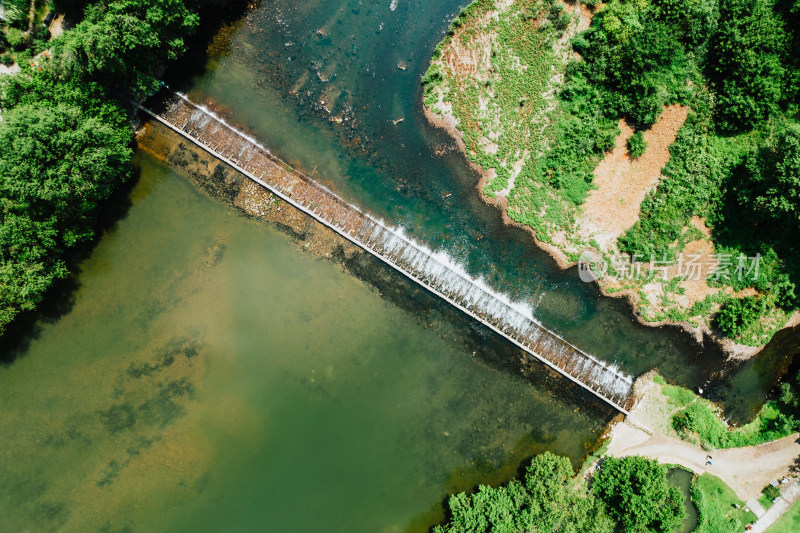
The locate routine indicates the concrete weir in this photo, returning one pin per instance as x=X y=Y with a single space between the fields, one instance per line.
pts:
x=433 y=270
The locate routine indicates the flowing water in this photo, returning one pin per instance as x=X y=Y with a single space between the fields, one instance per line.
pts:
x=207 y=374
x=210 y=376
x=321 y=84
x=433 y=270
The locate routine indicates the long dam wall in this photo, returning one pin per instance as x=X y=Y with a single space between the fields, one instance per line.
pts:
x=435 y=271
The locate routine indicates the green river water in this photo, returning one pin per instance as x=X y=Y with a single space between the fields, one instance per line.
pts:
x=207 y=374
x=210 y=376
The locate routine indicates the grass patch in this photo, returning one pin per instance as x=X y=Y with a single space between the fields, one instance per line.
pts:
x=765 y=502
x=789 y=522
x=716 y=506
x=700 y=419
x=508 y=115
x=678 y=396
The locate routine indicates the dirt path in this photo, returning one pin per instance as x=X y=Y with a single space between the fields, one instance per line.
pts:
x=745 y=470
x=622 y=183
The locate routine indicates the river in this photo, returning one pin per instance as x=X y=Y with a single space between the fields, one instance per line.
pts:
x=206 y=373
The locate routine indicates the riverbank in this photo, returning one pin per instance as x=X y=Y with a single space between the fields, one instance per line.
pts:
x=747 y=459
x=732 y=487
x=499 y=100
x=746 y=470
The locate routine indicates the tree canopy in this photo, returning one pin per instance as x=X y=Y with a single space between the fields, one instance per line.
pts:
x=637 y=494
x=121 y=43
x=745 y=64
x=770 y=178
x=65 y=136
x=630 y=494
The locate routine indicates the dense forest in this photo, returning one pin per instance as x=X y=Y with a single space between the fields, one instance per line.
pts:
x=65 y=133
x=736 y=161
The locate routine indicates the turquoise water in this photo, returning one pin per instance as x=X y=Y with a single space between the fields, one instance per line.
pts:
x=321 y=83
x=212 y=376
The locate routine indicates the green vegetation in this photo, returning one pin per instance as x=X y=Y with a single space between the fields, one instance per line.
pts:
x=789 y=522
x=735 y=162
x=716 y=506
x=507 y=120
x=777 y=418
x=737 y=315
x=745 y=65
x=701 y=419
x=22 y=35
x=738 y=148
x=678 y=396
x=636 y=492
x=768 y=495
x=636 y=145
x=65 y=136
x=629 y=494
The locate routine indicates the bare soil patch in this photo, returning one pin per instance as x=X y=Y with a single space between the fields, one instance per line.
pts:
x=622 y=183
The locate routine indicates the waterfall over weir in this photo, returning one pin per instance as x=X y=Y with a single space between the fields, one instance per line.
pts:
x=433 y=270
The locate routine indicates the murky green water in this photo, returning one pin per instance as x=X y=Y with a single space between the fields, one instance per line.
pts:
x=211 y=376
x=208 y=375
x=682 y=479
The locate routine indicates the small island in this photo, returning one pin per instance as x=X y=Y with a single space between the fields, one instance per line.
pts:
x=655 y=143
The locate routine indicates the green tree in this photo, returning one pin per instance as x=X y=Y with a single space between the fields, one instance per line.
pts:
x=549 y=500
x=744 y=63
x=637 y=145
x=59 y=159
x=637 y=494
x=637 y=58
x=556 y=504
x=738 y=314
x=122 y=44
x=770 y=183
x=789 y=11
x=691 y=20
x=65 y=136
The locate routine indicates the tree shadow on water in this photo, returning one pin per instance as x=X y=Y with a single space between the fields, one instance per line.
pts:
x=60 y=297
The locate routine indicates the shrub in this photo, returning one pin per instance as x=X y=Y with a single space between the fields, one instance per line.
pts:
x=771 y=177
x=745 y=63
x=15 y=37
x=636 y=145
x=771 y=492
x=700 y=419
x=637 y=494
x=737 y=315
x=16 y=12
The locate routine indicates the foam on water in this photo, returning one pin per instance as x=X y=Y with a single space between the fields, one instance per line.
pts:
x=434 y=269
